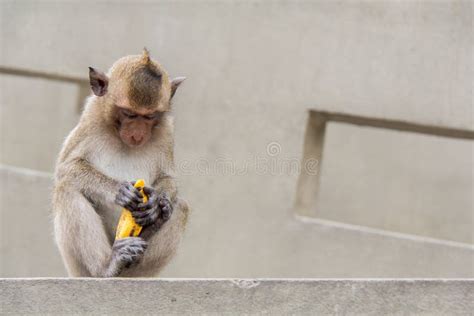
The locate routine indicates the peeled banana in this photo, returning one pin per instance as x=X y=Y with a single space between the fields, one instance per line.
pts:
x=126 y=226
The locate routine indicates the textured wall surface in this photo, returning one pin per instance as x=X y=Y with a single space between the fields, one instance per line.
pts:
x=285 y=248
x=26 y=238
x=254 y=69
x=272 y=297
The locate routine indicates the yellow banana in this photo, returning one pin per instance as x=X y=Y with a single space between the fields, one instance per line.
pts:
x=126 y=226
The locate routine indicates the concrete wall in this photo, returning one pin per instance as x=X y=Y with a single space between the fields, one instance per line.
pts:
x=254 y=68
x=420 y=184
x=284 y=248
x=36 y=117
x=26 y=241
x=237 y=297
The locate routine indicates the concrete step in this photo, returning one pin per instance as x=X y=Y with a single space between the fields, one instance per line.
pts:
x=232 y=296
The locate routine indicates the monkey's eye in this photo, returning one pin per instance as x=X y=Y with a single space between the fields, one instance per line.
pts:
x=152 y=116
x=129 y=114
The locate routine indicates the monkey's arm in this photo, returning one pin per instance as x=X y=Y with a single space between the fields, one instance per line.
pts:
x=166 y=184
x=88 y=180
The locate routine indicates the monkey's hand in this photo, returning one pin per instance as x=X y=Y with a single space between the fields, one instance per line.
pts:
x=158 y=207
x=128 y=196
x=128 y=251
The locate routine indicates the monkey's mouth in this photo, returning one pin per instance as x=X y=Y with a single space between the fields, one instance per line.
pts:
x=132 y=143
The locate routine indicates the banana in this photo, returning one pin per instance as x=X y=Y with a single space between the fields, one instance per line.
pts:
x=126 y=226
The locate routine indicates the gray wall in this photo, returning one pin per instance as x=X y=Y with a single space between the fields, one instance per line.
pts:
x=254 y=69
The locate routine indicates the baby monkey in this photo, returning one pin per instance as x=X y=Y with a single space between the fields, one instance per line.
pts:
x=125 y=132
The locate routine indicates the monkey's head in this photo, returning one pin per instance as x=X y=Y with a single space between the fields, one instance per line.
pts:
x=134 y=96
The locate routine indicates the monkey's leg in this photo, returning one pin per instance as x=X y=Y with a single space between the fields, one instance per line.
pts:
x=82 y=240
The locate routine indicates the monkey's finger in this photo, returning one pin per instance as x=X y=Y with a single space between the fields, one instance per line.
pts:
x=167 y=210
x=137 y=193
x=130 y=242
x=164 y=202
x=150 y=214
x=135 y=250
x=153 y=196
x=140 y=245
x=132 y=196
x=146 y=206
x=166 y=215
x=153 y=201
x=129 y=195
x=150 y=218
x=135 y=247
x=134 y=190
x=125 y=196
x=126 y=202
x=128 y=186
x=131 y=251
x=143 y=221
x=149 y=191
x=139 y=214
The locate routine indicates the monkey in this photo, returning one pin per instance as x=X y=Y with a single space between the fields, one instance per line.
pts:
x=125 y=132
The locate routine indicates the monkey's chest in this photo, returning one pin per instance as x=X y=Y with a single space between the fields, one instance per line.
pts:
x=124 y=167
x=121 y=167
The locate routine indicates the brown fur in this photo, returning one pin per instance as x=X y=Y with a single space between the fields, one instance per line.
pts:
x=145 y=87
x=95 y=160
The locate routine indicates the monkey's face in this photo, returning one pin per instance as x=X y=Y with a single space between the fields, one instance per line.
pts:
x=135 y=127
x=135 y=93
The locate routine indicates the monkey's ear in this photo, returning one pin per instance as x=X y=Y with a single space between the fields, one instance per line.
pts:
x=175 y=84
x=99 y=82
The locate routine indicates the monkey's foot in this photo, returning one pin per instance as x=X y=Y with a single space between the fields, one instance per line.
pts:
x=128 y=251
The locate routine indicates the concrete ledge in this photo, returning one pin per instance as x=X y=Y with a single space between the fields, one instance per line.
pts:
x=249 y=296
